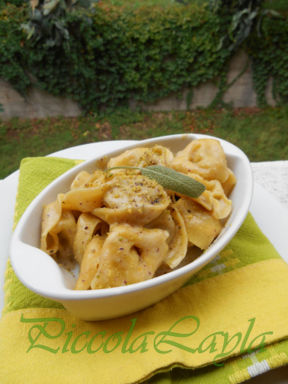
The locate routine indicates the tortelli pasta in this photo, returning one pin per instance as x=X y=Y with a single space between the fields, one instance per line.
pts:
x=123 y=227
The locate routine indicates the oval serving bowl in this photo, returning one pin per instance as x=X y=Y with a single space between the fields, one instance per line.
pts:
x=41 y=274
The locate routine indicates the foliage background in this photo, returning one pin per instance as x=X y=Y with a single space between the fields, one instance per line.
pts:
x=112 y=53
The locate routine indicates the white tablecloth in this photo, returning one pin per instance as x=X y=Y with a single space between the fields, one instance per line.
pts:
x=273 y=176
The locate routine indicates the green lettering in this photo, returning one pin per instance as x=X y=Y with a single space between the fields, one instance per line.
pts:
x=165 y=336
x=117 y=337
x=261 y=345
x=38 y=330
x=67 y=341
x=211 y=345
x=246 y=337
x=227 y=342
x=73 y=346
x=143 y=344
x=89 y=345
x=128 y=336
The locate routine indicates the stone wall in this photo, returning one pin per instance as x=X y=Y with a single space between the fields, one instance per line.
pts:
x=40 y=104
x=240 y=94
x=37 y=104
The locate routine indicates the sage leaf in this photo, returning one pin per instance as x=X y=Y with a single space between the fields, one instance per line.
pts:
x=173 y=180
x=170 y=179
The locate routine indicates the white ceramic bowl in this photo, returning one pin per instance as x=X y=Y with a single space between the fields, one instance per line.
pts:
x=40 y=273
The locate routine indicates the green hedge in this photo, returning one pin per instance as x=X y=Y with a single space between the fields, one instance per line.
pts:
x=14 y=2
x=142 y=54
x=269 y=55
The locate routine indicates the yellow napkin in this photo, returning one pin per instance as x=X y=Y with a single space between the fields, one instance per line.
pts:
x=237 y=305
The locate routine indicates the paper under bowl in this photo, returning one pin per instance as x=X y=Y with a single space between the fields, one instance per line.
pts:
x=41 y=274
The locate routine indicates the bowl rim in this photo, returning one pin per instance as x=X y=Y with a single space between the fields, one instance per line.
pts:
x=68 y=294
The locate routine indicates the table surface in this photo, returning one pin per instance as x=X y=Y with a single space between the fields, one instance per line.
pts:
x=273 y=176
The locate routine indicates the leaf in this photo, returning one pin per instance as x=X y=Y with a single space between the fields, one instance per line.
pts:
x=173 y=180
x=34 y=4
x=49 y=6
x=170 y=179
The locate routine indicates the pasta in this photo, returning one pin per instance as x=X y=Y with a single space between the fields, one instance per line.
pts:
x=204 y=157
x=172 y=221
x=201 y=226
x=131 y=198
x=122 y=227
x=130 y=254
x=143 y=157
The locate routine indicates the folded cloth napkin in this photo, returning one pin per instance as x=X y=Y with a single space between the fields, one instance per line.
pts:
x=227 y=324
